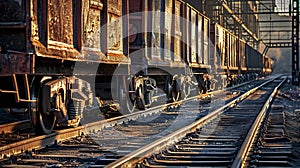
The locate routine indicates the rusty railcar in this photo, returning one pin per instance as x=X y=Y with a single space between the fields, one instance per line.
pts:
x=228 y=51
x=171 y=48
x=43 y=42
x=234 y=59
x=58 y=56
x=267 y=65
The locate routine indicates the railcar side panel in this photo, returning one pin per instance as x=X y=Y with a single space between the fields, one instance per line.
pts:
x=114 y=27
x=206 y=31
x=12 y=26
x=15 y=63
x=167 y=31
x=254 y=59
x=178 y=31
x=53 y=34
x=135 y=25
x=233 y=50
x=194 y=36
x=200 y=36
x=220 y=46
x=156 y=29
x=242 y=56
x=187 y=55
x=92 y=21
x=13 y=38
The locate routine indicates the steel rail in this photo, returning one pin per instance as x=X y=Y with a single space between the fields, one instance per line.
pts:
x=46 y=140
x=254 y=130
x=60 y=135
x=15 y=126
x=131 y=159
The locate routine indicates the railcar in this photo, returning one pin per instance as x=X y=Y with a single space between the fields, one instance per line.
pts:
x=173 y=48
x=59 y=57
x=234 y=60
x=267 y=65
x=43 y=41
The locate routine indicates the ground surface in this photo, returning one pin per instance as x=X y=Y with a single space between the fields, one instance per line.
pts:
x=290 y=96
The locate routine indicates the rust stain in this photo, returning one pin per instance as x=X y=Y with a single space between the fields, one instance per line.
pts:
x=15 y=63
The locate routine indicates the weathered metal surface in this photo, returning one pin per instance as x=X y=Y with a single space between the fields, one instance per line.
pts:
x=168 y=29
x=135 y=25
x=12 y=39
x=12 y=11
x=115 y=7
x=193 y=36
x=15 y=63
x=92 y=20
x=52 y=28
x=206 y=30
x=60 y=21
x=113 y=28
x=187 y=32
x=200 y=39
x=114 y=37
x=71 y=30
x=156 y=21
x=178 y=31
x=242 y=57
x=253 y=59
x=15 y=126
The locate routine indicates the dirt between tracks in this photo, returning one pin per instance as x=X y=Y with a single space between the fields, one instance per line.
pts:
x=290 y=96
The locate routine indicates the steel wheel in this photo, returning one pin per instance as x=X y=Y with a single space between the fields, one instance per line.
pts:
x=130 y=106
x=42 y=122
x=127 y=99
x=148 y=99
x=47 y=122
x=175 y=95
x=140 y=100
x=127 y=106
x=176 y=92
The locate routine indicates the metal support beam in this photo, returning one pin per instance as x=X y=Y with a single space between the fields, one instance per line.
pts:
x=238 y=20
x=265 y=50
x=295 y=42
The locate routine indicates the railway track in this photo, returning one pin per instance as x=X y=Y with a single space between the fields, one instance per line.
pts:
x=220 y=139
x=97 y=134
x=272 y=147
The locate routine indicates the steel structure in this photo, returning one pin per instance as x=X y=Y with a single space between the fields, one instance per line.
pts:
x=295 y=42
x=279 y=28
x=229 y=14
x=274 y=23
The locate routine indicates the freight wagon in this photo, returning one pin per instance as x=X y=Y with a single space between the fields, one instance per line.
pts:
x=59 y=57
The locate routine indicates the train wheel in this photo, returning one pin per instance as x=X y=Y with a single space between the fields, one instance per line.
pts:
x=127 y=99
x=130 y=106
x=47 y=122
x=185 y=90
x=148 y=98
x=176 y=94
x=140 y=100
x=127 y=106
x=41 y=121
x=33 y=107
